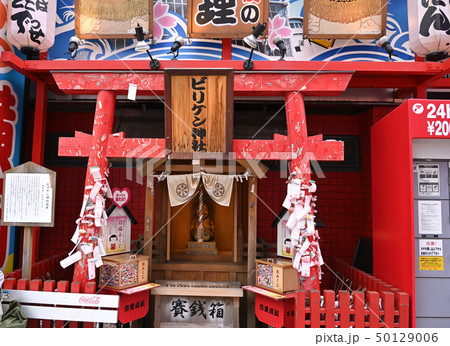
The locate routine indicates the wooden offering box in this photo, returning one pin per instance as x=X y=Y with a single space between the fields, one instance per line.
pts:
x=123 y=271
x=276 y=275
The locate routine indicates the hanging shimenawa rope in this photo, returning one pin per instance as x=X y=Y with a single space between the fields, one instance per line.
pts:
x=200 y=215
x=345 y=11
x=115 y=10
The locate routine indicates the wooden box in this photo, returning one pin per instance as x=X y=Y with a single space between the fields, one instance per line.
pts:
x=276 y=274
x=123 y=271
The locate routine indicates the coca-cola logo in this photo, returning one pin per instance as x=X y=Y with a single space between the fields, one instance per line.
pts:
x=95 y=300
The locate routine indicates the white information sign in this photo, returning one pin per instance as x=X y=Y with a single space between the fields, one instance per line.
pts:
x=430 y=247
x=430 y=217
x=28 y=198
x=428 y=180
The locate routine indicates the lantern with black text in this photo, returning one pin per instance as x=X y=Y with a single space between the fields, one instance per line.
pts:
x=429 y=28
x=31 y=25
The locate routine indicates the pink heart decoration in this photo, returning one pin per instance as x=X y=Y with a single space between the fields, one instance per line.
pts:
x=120 y=197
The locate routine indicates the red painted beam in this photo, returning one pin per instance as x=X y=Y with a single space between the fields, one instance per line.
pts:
x=280 y=149
x=17 y=64
x=326 y=150
x=136 y=147
x=277 y=149
x=445 y=71
x=330 y=84
x=117 y=147
x=365 y=74
x=380 y=68
x=387 y=81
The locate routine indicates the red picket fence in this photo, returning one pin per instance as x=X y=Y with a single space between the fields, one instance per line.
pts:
x=354 y=309
x=46 y=269
x=359 y=300
x=51 y=286
x=348 y=277
x=354 y=302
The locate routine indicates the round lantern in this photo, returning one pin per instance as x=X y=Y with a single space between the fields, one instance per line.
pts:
x=429 y=28
x=31 y=25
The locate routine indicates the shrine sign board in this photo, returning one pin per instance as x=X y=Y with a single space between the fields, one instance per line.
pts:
x=28 y=196
x=199 y=112
x=217 y=312
x=197 y=304
x=225 y=19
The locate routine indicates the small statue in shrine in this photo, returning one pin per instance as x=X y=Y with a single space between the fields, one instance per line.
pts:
x=208 y=226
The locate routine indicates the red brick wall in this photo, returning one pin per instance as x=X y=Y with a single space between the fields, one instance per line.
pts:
x=69 y=194
x=344 y=199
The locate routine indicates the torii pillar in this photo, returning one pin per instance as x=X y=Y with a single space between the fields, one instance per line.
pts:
x=300 y=165
x=103 y=124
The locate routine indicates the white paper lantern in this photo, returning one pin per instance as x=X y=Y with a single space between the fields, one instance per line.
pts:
x=31 y=25
x=429 y=28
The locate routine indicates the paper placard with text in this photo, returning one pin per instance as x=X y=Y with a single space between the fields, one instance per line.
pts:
x=28 y=196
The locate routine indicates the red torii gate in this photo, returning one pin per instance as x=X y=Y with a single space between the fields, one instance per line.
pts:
x=102 y=144
x=268 y=78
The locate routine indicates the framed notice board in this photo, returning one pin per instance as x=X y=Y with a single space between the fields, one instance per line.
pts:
x=28 y=196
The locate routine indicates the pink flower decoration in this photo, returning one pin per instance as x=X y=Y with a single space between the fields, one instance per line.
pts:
x=162 y=19
x=277 y=27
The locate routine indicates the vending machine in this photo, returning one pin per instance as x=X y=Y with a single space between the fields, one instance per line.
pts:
x=410 y=206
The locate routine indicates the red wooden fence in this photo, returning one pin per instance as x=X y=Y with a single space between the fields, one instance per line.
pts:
x=46 y=269
x=359 y=300
x=49 y=286
x=347 y=275
x=354 y=309
x=355 y=302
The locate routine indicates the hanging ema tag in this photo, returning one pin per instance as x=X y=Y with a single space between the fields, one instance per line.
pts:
x=304 y=247
x=301 y=212
x=310 y=229
x=296 y=263
x=100 y=247
x=132 y=90
x=287 y=202
x=294 y=188
x=70 y=260
x=292 y=221
x=86 y=248
x=76 y=235
x=97 y=257
x=91 y=269
x=295 y=234
x=305 y=266
x=98 y=212
x=95 y=190
x=95 y=171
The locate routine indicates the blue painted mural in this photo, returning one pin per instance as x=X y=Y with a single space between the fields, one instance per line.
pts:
x=285 y=18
